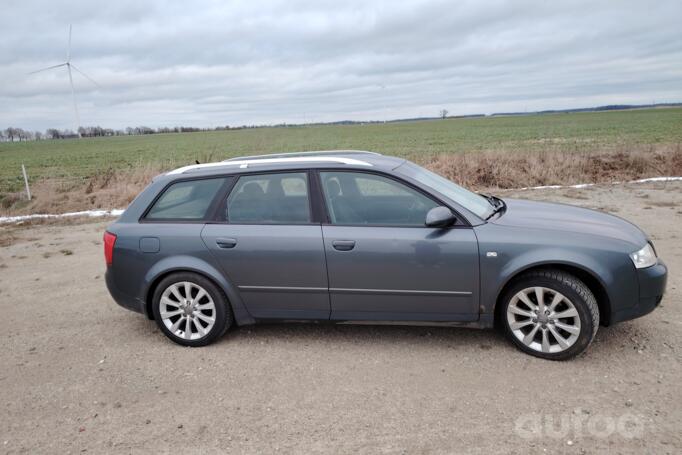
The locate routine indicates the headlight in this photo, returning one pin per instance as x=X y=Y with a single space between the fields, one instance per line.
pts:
x=646 y=257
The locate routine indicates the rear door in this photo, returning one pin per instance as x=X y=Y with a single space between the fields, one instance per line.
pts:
x=384 y=264
x=270 y=248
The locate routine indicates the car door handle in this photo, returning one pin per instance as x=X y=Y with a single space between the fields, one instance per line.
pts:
x=343 y=245
x=224 y=242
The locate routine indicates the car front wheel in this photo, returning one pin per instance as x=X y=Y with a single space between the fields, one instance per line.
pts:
x=550 y=314
x=191 y=310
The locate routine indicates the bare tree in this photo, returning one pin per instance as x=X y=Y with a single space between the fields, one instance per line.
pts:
x=443 y=113
x=53 y=133
x=25 y=135
x=11 y=132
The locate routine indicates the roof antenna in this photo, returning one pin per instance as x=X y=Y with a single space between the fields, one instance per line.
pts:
x=197 y=161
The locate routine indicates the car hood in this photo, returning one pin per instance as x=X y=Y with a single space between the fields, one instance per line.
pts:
x=562 y=217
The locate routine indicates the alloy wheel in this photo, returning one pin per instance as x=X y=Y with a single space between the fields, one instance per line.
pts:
x=543 y=319
x=187 y=310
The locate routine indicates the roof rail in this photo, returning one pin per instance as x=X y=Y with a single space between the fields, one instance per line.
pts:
x=304 y=154
x=245 y=163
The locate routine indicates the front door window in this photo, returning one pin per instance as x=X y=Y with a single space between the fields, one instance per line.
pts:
x=363 y=199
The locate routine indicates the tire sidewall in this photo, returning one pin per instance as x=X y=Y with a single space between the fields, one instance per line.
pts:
x=587 y=327
x=222 y=310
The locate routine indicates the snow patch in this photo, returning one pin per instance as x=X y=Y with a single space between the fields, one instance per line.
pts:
x=89 y=213
x=586 y=185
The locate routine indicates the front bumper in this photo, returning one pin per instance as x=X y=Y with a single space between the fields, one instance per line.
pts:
x=123 y=299
x=652 y=281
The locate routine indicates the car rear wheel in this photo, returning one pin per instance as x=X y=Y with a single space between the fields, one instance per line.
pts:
x=191 y=310
x=550 y=314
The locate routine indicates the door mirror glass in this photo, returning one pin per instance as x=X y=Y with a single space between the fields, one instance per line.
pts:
x=440 y=217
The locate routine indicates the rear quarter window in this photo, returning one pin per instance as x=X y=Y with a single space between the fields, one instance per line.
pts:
x=188 y=200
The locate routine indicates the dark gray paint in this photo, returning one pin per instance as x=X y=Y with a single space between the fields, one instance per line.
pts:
x=403 y=273
x=440 y=217
x=150 y=244
x=280 y=271
x=535 y=233
x=419 y=275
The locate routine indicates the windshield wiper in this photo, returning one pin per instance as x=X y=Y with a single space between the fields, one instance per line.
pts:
x=498 y=205
x=489 y=198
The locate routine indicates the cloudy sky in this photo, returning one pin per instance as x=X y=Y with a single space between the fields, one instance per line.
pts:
x=209 y=63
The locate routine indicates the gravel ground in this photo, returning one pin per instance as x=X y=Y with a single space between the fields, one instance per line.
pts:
x=81 y=374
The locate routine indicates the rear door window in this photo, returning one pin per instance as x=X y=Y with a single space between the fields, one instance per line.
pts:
x=270 y=199
x=188 y=200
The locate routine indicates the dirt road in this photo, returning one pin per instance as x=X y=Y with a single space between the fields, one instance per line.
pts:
x=81 y=374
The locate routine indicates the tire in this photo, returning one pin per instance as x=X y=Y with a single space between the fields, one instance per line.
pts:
x=570 y=314
x=207 y=311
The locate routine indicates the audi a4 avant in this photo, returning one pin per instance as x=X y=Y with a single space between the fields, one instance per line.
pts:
x=358 y=237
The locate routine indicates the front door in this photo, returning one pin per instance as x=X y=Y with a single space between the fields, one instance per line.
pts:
x=384 y=264
x=270 y=249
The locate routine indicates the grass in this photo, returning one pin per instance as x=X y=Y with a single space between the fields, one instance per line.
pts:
x=79 y=160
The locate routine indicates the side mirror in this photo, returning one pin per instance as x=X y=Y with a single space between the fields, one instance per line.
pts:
x=440 y=217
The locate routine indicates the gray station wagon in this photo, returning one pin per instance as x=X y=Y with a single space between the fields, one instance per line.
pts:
x=358 y=237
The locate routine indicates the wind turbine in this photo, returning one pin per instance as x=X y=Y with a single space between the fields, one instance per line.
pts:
x=69 y=66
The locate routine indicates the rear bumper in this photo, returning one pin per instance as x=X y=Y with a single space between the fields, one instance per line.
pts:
x=126 y=301
x=652 y=281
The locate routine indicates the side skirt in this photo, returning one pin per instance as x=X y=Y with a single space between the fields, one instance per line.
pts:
x=485 y=322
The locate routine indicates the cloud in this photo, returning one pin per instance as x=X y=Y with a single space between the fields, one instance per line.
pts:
x=207 y=63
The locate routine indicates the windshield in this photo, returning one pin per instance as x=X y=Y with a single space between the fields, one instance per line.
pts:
x=473 y=202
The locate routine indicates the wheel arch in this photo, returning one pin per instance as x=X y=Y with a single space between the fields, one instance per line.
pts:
x=587 y=276
x=193 y=265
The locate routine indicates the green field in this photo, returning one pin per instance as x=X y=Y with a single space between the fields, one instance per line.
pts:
x=75 y=159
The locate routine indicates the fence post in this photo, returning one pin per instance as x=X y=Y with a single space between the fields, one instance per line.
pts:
x=28 y=190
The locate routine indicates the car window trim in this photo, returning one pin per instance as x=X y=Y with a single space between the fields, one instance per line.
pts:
x=221 y=198
x=319 y=211
x=319 y=201
x=461 y=223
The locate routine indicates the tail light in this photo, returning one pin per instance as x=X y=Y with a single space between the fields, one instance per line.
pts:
x=109 y=241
